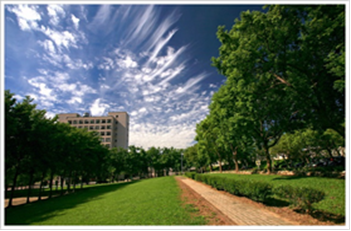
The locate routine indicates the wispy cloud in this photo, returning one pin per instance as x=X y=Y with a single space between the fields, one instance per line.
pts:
x=56 y=12
x=27 y=16
x=75 y=21
x=127 y=61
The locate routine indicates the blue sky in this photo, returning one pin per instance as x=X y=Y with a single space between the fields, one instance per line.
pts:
x=152 y=61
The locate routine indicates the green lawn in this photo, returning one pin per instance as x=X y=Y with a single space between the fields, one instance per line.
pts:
x=334 y=201
x=146 y=202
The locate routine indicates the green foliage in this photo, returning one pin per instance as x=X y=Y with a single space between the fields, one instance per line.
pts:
x=285 y=71
x=190 y=175
x=302 y=197
x=255 y=190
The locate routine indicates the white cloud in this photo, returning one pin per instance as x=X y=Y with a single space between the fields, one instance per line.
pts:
x=62 y=39
x=75 y=21
x=190 y=83
x=98 y=108
x=127 y=63
x=55 y=12
x=75 y=100
x=48 y=46
x=147 y=135
x=101 y=17
x=27 y=16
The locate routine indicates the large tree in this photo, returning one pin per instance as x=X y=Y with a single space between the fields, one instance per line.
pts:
x=279 y=66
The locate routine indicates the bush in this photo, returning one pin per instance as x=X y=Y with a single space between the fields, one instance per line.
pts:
x=255 y=190
x=302 y=197
x=190 y=175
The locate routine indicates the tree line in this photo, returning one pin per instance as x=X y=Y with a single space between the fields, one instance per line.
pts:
x=284 y=90
x=40 y=149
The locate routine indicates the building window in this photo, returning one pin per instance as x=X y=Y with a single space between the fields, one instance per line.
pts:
x=108 y=133
x=102 y=139
x=97 y=127
x=69 y=121
x=108 y=127
x=102 y=127
x=108 y=139
x=86 y=121
x=80 y=121
x=102 y=133
x=91 y=121
x=116 y=141
x=91 y=127
x=86 y=127
x=74 y=121
x=97 y=121
x=79 y=126
x=108 y=121
x=103 y=121
x=116 y=116
x=107 y=146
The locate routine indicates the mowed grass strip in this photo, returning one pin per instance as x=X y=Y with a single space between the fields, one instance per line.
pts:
x=146 y=202
x=334 y=189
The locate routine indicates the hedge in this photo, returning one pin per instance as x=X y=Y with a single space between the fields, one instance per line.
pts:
x=302 y=197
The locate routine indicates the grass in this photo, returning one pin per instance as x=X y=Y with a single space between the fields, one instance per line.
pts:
x=334 y=201
x=146 y=202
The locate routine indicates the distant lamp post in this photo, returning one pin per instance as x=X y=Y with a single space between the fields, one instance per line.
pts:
x=181 y=161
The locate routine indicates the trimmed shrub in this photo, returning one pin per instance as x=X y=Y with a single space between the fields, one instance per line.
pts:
x=302 y=197
x=190 y=175
x=255 y=190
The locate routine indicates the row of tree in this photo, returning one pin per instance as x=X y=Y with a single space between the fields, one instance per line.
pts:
x=285 y=73
x=39 y=149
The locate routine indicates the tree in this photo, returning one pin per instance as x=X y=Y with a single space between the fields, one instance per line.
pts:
x=207 y=133
x=18 y=131
x=278 y=73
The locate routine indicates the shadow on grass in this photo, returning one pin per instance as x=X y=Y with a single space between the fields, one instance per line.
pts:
x=39 y=211
x=317 y=214
x=275 y=202
x=324 y=216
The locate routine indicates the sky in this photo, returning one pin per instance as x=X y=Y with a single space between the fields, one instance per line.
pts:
x=152 y=61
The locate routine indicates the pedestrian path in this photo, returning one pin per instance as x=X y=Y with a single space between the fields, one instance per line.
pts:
x=239 y=212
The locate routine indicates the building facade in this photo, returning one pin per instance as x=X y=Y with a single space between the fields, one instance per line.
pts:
x=113 y=128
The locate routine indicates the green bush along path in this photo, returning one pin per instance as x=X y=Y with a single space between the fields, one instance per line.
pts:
x=145 y=202
x=334 y=189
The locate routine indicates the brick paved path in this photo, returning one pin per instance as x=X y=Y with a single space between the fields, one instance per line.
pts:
x=239 y=212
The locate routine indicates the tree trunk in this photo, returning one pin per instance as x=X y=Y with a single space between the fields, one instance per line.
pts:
x=74 y=181
x=61 y=179
x=13 y=187
x=330 y=152
x=51 y=180
x=268 y=158
x=211 y=168
x=81 y=182
x=30 y=185
x=41 y=185
x=220 y=163
x=68 y=183
x=235 y=157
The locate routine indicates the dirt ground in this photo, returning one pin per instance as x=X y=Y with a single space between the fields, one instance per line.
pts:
x=208 y=210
